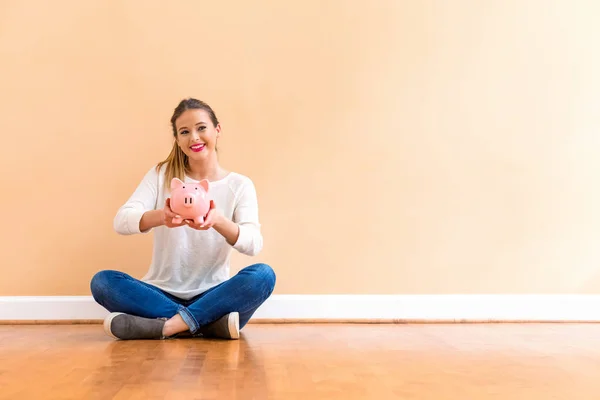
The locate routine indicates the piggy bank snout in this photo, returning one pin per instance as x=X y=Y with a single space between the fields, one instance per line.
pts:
x=189 y=199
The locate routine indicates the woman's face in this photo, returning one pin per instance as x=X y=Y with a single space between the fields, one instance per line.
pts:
x=196 y=135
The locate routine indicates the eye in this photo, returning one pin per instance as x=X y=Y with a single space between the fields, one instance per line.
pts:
x=202 y=128
x=183 y=132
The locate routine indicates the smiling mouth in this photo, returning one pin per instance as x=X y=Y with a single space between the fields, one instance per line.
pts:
x=198 y=147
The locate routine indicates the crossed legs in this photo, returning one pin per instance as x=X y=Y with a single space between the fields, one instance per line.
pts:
x=242 y=294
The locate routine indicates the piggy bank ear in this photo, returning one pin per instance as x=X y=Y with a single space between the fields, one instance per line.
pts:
x=176 y=183
x=204 y=184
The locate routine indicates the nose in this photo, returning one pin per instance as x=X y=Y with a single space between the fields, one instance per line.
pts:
x=188 y=200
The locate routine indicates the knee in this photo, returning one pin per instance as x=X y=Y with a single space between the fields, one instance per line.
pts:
x=101 y=282
x=264 y=275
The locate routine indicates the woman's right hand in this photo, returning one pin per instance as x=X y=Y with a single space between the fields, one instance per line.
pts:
x=168 y=216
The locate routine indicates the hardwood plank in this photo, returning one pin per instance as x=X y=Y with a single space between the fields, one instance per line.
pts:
x=320 y=361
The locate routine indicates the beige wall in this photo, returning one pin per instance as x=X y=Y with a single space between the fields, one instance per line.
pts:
x=401 y=146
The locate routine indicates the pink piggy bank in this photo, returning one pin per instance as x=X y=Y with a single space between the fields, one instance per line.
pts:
x=189 y=200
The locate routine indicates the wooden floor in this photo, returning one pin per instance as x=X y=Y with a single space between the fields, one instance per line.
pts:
x=487 y=361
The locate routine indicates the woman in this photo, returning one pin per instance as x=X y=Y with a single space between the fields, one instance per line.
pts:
x=187 y=287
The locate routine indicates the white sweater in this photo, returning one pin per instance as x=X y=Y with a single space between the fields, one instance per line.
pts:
x=186 y=261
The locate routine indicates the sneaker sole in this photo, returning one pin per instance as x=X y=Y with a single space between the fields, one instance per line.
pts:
x=234 y=325
x=107 y=323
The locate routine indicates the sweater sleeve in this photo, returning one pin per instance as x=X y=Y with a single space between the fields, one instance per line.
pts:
x=127 y=219
x=245 y=214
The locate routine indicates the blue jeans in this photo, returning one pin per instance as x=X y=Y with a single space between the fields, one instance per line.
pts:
x=245 y=292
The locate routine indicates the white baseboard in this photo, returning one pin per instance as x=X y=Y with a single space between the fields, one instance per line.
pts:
x=451 y=308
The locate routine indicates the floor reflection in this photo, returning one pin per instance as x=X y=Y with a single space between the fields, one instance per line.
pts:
x=223 y=368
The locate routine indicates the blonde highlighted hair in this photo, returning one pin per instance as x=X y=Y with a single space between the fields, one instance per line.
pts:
x=177 y=163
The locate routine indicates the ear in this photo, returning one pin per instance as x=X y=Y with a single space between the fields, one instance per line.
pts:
x=204 y=184
x=176 y=183
x=218 y=129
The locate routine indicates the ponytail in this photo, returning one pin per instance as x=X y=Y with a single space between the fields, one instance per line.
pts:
x=177 y=165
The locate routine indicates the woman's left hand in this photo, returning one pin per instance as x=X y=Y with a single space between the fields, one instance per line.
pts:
x=213 y=217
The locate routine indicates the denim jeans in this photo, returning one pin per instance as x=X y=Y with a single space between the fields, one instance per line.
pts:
x=244 y=292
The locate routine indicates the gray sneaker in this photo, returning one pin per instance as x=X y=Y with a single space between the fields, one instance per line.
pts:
x=126 y=327
x=226 y=327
